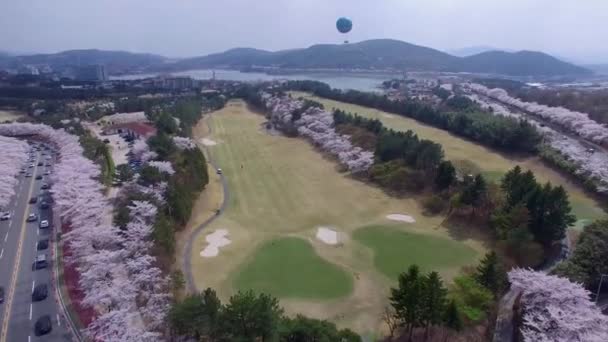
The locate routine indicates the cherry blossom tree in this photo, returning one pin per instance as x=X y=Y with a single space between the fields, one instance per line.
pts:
x=557 y=310
x=183 y=143
x=13 y=156
x=162 y=166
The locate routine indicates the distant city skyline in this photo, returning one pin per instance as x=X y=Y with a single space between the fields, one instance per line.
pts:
x=567 y=29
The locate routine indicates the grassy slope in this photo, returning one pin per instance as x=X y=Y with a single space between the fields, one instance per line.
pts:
x=286 y=188
x=290 y=268
x=490 y=163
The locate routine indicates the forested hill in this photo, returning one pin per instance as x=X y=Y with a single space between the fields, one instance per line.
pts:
x=386 y=54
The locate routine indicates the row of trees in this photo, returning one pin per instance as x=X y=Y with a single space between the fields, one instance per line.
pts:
x=495 y=131
x=247 y=317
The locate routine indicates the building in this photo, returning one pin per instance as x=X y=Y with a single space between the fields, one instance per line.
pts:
x=131 y=130
x=95 y=73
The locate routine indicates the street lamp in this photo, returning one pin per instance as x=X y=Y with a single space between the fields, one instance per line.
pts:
x=599 y=287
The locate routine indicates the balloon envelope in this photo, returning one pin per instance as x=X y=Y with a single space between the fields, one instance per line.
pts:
x=344 y=25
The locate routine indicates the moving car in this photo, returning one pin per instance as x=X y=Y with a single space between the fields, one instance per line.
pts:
x=43 y=325
x=1 y=294
x=33 y=200
x=38 y=177
x=45 y=186
x=32 y=217
x=44 y=205
x=40 y=262
x=5 y=216
x=40 y=163
x=42 y=245
x=41 y=291
x=44 y=224
x=28 y=174
x=47 y=172
x=31 y=165
x=219 y=171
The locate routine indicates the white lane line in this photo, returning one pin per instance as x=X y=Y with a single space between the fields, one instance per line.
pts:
x=33 y=283
x=58 y=320
x=1 y=253
x=37 y=231
x=29 y=338
x=6 y=237
x=30 y=312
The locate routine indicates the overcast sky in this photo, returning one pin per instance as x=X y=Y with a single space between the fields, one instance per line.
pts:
x=576 y=29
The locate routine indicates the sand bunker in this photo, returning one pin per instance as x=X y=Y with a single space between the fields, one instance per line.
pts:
x=328 y=236
x=216 y=240
x=208 y=142
x=401 y=217
x=387 y=116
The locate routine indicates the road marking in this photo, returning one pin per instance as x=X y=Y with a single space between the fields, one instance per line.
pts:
x=33 y=283
x=6 y=237
x=30 y=311
x=1 y=253
x=29 y=338
x=58 y=320
x=13 y=284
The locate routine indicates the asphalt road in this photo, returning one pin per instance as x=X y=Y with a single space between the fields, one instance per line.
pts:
x=18 y=250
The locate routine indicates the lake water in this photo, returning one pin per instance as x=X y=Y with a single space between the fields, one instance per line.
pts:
x=362 y=82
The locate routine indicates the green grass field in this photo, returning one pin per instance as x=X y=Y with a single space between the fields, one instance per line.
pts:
x=290 y=268
x=281 y=188
x=475 y=157
x=394 y=250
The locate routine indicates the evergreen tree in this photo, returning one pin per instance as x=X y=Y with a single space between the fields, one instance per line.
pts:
x=451 y=318
x=491 y=274
x=474 y=192
x=433 y=301
x=550 y=213
x=406 y=299
x=446 y=175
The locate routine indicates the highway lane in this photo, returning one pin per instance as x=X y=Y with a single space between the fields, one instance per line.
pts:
x=21 y=252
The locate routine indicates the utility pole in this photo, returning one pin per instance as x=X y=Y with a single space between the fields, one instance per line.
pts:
x=599 y=287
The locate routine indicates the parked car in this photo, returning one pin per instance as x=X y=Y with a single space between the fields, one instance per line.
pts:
x=31 y=165
x=40 y=163
x=44 y=224
x=47 y=172
x=33 y=200
x=44 y=205
x=41 y=291
x=45 y=186
x=5 y=216
x=28 y=175
x=38 y=177
x=32 y=218
x=42 y=245
x=1 y=294
x=43 y=325
x=40 y=262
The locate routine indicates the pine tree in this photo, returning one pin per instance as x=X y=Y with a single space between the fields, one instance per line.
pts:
x=406 y=299
x=474 y=192
x=451 y=318
x=446 y=175
x=433 y=301
x=491 y=274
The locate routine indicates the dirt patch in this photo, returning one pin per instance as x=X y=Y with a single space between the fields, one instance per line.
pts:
x=401 y=218
x=327 y=236
x=216 y=240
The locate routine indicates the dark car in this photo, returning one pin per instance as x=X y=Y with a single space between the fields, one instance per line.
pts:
x=40 y=262
x=40 y=163
x=1 y=294
x=41 y=291
x=44 y=205
x=33 y=200
x=43 y=325
x=42 y=245
x=45 y=186
x=38 y=177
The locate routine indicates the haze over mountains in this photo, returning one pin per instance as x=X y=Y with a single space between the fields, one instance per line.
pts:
x=378 y=54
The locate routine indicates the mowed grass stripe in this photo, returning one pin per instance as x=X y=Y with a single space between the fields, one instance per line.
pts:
x=290 y=268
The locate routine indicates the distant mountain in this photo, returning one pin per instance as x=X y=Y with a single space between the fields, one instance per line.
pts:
x=601 y=69
x=114 y=61
x=473 y=50
x=385 y=54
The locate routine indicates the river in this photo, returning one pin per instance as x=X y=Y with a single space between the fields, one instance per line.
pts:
x=362 y=82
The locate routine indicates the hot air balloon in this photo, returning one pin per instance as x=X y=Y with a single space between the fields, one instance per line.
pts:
x=344 y=25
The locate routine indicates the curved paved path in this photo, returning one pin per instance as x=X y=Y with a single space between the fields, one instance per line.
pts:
x=190 y=285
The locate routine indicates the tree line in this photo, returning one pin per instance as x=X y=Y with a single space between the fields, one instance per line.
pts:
x=499 y=132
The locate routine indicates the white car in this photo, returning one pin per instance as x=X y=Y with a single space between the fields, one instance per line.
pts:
x=44 y=224
x=5 y=216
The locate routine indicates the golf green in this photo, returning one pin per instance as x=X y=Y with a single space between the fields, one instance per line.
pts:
x=395 y=250
x=290 y=268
